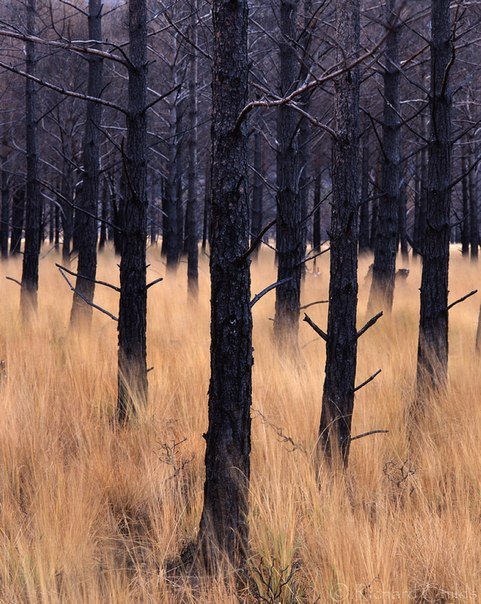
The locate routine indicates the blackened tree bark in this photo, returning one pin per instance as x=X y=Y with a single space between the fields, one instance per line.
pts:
x=305 y=133
x=191 y=211
x=364 y=237
x=67 y=210
x=28 y=294
x=420 y=226
x=86 y=225
x=206 y=217
x=316 y=224
x=18 y=217
x=465 y=227
x=473 y=211
x=432 y=363
x=402 y=223
x=257 y=190
x=105 y=215
x=5 y=211
x=57 y=227
x=385 y=248
x=132 y=380
x=51 y=222
x=341 y=345
x=288 y=225
x=224 y=523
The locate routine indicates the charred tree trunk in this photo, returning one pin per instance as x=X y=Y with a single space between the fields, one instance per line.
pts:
x=191 y=212
x=28 y=295
x=105 y=216
x=86 y=225
x=305 y=127
x=67 y=211
x=224 y=524
x=257 y=190
x=432 y=364
x=132 y=380
x=288 y=226
x=207 y=195
x=341 y=345
x=385 y=247
x=402 y=223
x=465 y=227
x=316 y=221
x=57 y=227
x=18 y=216
x=473 y=213
x=51 y=222
x=364 y=242
x=5 y=213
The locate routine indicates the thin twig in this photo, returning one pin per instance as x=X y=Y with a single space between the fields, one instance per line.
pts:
x=315 y=327
x=104 y=283
x=475 y=291
x=154 y=282
x=306 y=306
x=14 y=280
x=369 y=324
x=368 y=434
x=266 y=290
x=369 y=379
x=81 y=296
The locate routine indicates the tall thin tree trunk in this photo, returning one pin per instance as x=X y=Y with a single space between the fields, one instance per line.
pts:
x=86 y=225
x=105 y=215
x=257 y=190
x=18 y=218
x=364 y=243
x=305 y=128
x=132 y=382
x=191 y=212
x=473 y=211
x=224 y=523
x=341 y=345
x=465 y=228
x=316 y=221
x=432 y=363
x=385 y=248
x=28 y=295
x=402 y=223
x=207 y=195
x=57 y=226
x=288 y=226
x=5 y=212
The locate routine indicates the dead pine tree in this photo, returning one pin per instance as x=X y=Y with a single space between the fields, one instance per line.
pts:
x=288 y=226
x=191 y=210
x=28 y=293
x=132 y=323
x=342 y=335
x=85 y=225
x=223 y=534
x=386 y=241
x=432 y=361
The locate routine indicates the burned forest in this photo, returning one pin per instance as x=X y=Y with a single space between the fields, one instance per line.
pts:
x=240 y=330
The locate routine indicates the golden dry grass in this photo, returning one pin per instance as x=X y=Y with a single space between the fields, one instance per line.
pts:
x=90 y=516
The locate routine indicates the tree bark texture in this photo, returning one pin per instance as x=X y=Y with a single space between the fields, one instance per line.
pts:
x=224 y=524
x=28 y=294
x=288 y=226
x=432 y=364
x=341 y=345
x=85 y=224
x=385 y=247
x=132 y=325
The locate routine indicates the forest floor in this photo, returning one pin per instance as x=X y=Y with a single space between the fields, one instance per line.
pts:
x=90 y=515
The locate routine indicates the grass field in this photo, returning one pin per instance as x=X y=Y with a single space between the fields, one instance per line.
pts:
x=88 y=515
